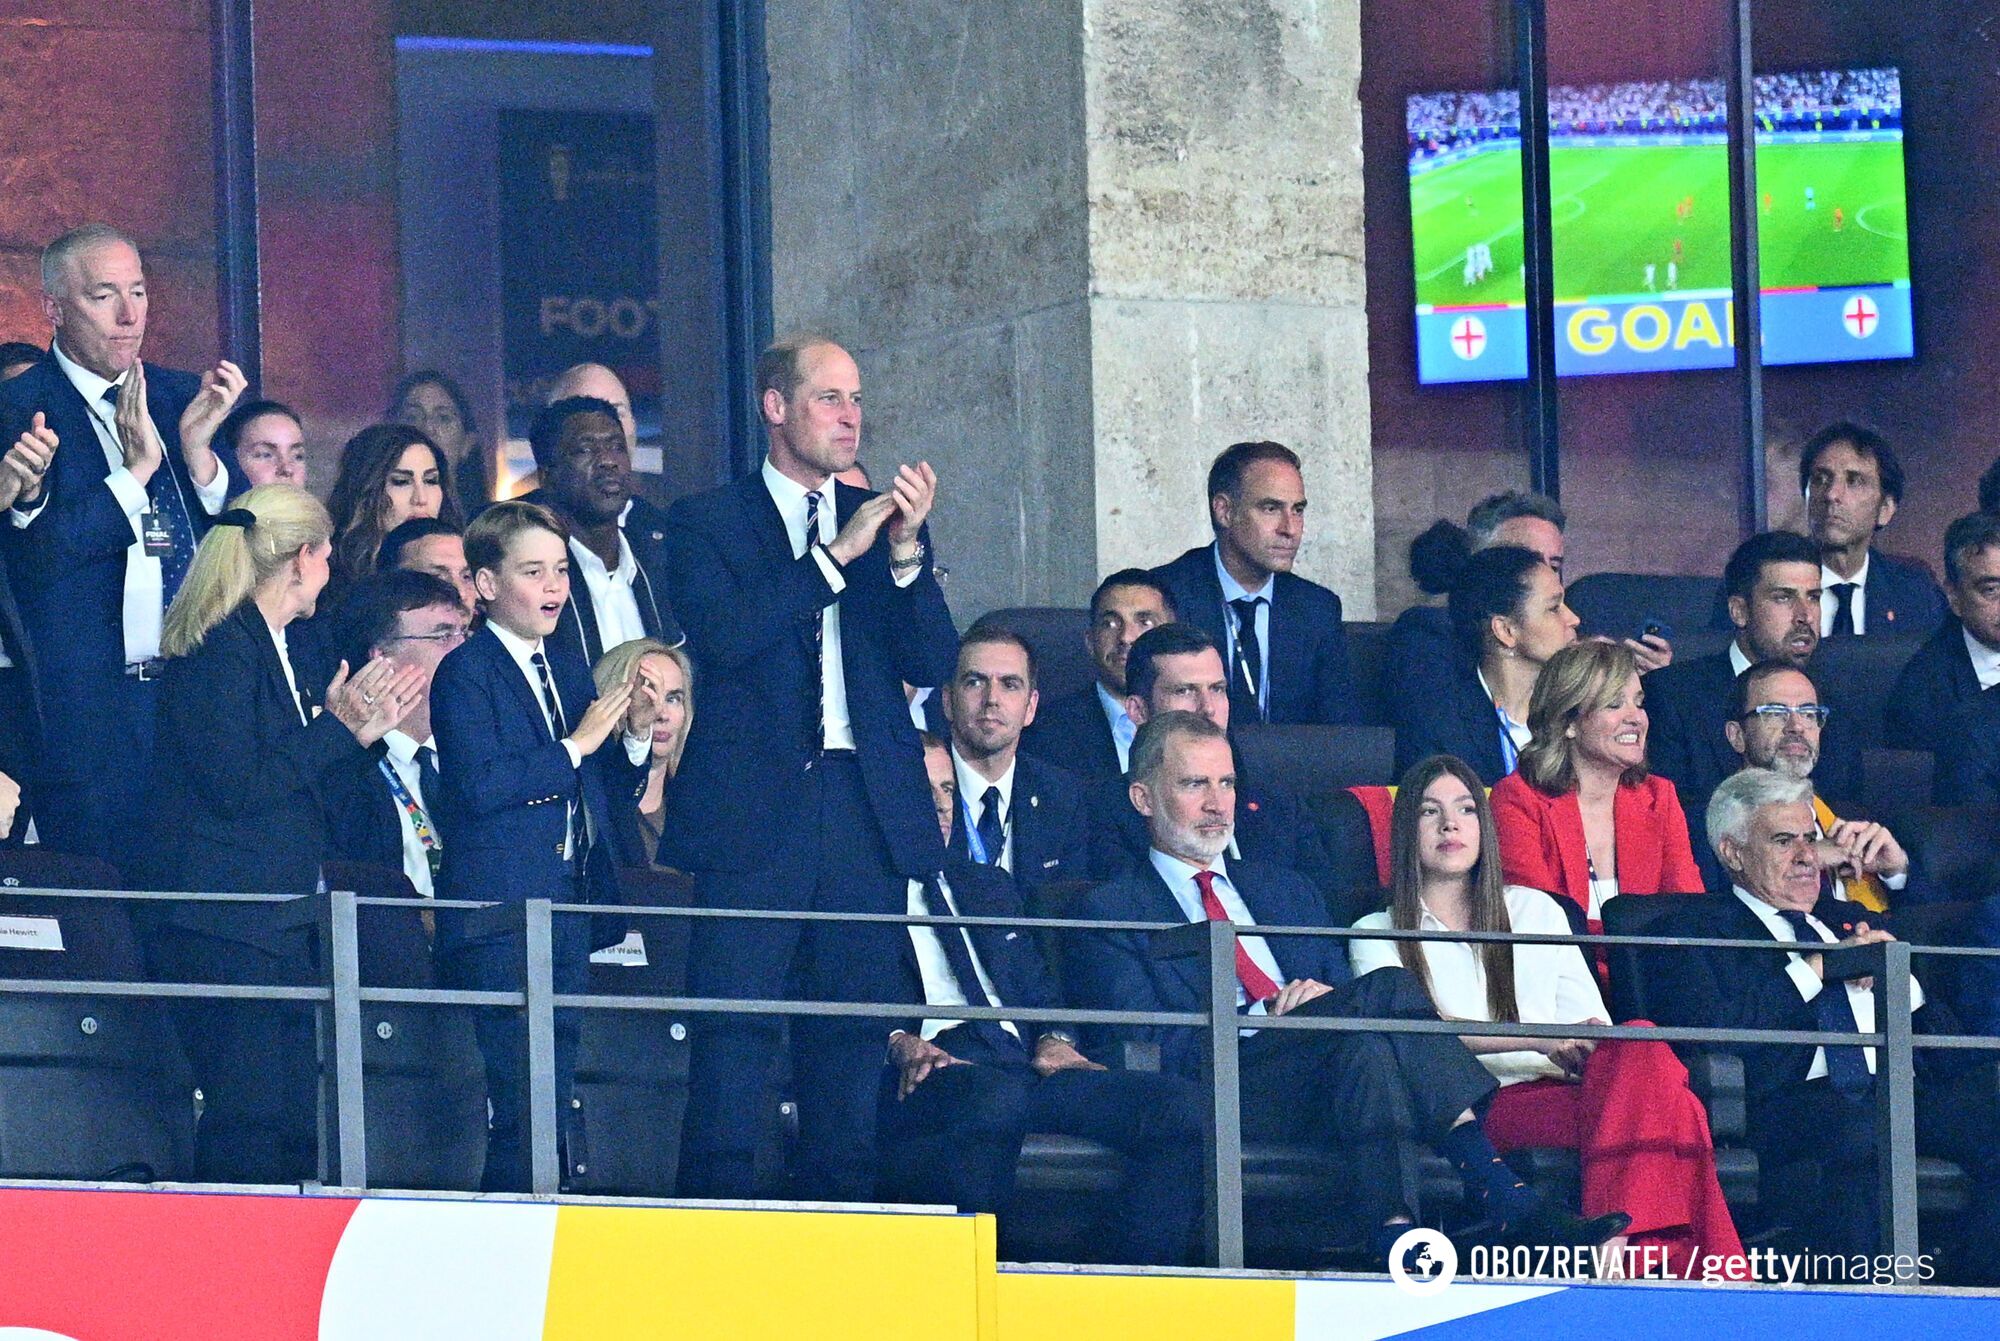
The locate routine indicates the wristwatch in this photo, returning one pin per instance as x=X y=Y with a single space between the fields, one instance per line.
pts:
x=914 y=561
x=1060 y=1036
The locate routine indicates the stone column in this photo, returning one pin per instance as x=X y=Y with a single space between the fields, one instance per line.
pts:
x=1079 y=246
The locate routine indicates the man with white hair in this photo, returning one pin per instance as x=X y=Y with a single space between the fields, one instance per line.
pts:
x=103 y=535
x=1806 y=1103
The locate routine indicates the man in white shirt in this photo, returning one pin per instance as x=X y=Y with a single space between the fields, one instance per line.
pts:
x=586 y=470
x=808 y=605
x=103 y=538
x=1808 y=1103
x=414 y=619
x=958 y=1096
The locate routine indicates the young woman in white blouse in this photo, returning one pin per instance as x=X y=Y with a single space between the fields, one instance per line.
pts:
x=1623 y=1105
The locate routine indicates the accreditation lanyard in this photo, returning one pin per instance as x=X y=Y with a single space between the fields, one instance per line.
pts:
x=975 y=846
x=433 y=849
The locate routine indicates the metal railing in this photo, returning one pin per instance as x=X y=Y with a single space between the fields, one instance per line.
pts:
x=344 y=1148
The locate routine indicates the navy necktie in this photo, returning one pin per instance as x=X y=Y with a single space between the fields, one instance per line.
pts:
x=163 y=497
x=957 y=943
x=1833 y=1012
x=1249 y=675
x=551 y=705
x=1843 y=610
x=816 y=728
x=992 y=834
x=427 y=775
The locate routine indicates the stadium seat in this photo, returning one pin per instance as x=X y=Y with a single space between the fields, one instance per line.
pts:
x=632 y=1066
x=1367 y=652
x=423 y=1083
x=1618 y=604
x=1380 y=803
x=1062 y=663
x=90 y=1087
x=1311 y=761
x=1854 y=677
x=1892 y=780
x=1954 y=846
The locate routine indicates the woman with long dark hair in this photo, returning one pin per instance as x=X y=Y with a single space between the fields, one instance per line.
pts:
x=1624 y=1105
x=388 y=474
x=249 y=754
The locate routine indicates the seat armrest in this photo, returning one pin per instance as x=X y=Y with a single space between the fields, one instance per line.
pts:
x=1717 y=1080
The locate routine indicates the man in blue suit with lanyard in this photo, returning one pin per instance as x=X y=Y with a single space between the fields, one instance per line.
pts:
x=99 y=549
x=807 y=603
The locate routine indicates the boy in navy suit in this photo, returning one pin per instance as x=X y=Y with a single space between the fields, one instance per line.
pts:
x=522 y=805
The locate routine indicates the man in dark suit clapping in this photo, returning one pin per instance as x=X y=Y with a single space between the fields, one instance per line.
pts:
x=808 y=604
x=102 y=540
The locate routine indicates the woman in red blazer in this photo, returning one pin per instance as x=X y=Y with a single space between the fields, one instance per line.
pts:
x=1582 y=818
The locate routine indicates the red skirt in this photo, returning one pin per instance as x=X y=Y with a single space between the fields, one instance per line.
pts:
x=1643 y=1140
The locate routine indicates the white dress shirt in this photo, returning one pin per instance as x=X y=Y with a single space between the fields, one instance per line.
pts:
x=972 y=794
x=836 y=727
x=1123 y=728
x=941 y=985
x=1857 y=602
x=1738 y=662
x=1985 y=660
x=145 y=587
x=1232 y=590
x=1180 y=881
x=291 y=677
x=611 y=595
x=402 y=755
x=1552 y=983
x=1861 y=999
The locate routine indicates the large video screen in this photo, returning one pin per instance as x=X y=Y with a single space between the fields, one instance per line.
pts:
x=1639 y=189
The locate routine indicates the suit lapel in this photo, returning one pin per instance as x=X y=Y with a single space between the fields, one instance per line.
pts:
x=1190 y=970
x=1566 y=819
x=1288 y=636
x=505 y=667
x=250 y=624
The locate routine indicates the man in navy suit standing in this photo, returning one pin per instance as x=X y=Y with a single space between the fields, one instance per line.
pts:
x=1281 y=635
x=1015 y=812
x=808 y=604
x=99 y=546
x=1853 y=483
x=1354 y=1095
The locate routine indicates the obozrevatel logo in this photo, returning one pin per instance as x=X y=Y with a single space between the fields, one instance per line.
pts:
x=1423 y=1262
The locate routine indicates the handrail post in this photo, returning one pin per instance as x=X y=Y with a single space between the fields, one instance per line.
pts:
x=1896 y=1109
x=1225 y=1113
x=545 y=1177
x=350 y=1122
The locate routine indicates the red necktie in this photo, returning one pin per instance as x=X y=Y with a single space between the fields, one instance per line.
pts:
x=1256 y=983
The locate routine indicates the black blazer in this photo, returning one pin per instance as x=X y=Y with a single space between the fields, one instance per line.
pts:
x=1934 y=684
x=244 y=790
x=1745 y=989
x=367 y=822
x=1452 y=716
x=68 y=568
x=1901 y=597
x=1968 y=754
x=1310 y=679
x=1073 y=733
x=1688 y=703
x=1336 y=854
x=20 y=649
x=1116 y=970
x=505 y=788
x=1010 y=955
x=1050 y=824
x=749 y=609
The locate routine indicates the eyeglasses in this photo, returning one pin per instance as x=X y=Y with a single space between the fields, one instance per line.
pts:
x=1816 y=713
x=442 y=636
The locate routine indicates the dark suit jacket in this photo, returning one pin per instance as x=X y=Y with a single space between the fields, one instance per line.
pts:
x=505 y=788
x=1968 y=758
x=1073 y=733
x=578 y=625
x=69 y=567
x=1450 y=715
x=1310 y=679
x=749 y=609
x=367 y=823
x=1336 y=853
x=245 y=790
x=1688 y=702
x=1934 y=684
x=1051 y=827
x=1745 y=989
x=1901 y=597
x=1115 y=970
x=1011 y=957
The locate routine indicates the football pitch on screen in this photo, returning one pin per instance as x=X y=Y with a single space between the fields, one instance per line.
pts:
x=1832 y=214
